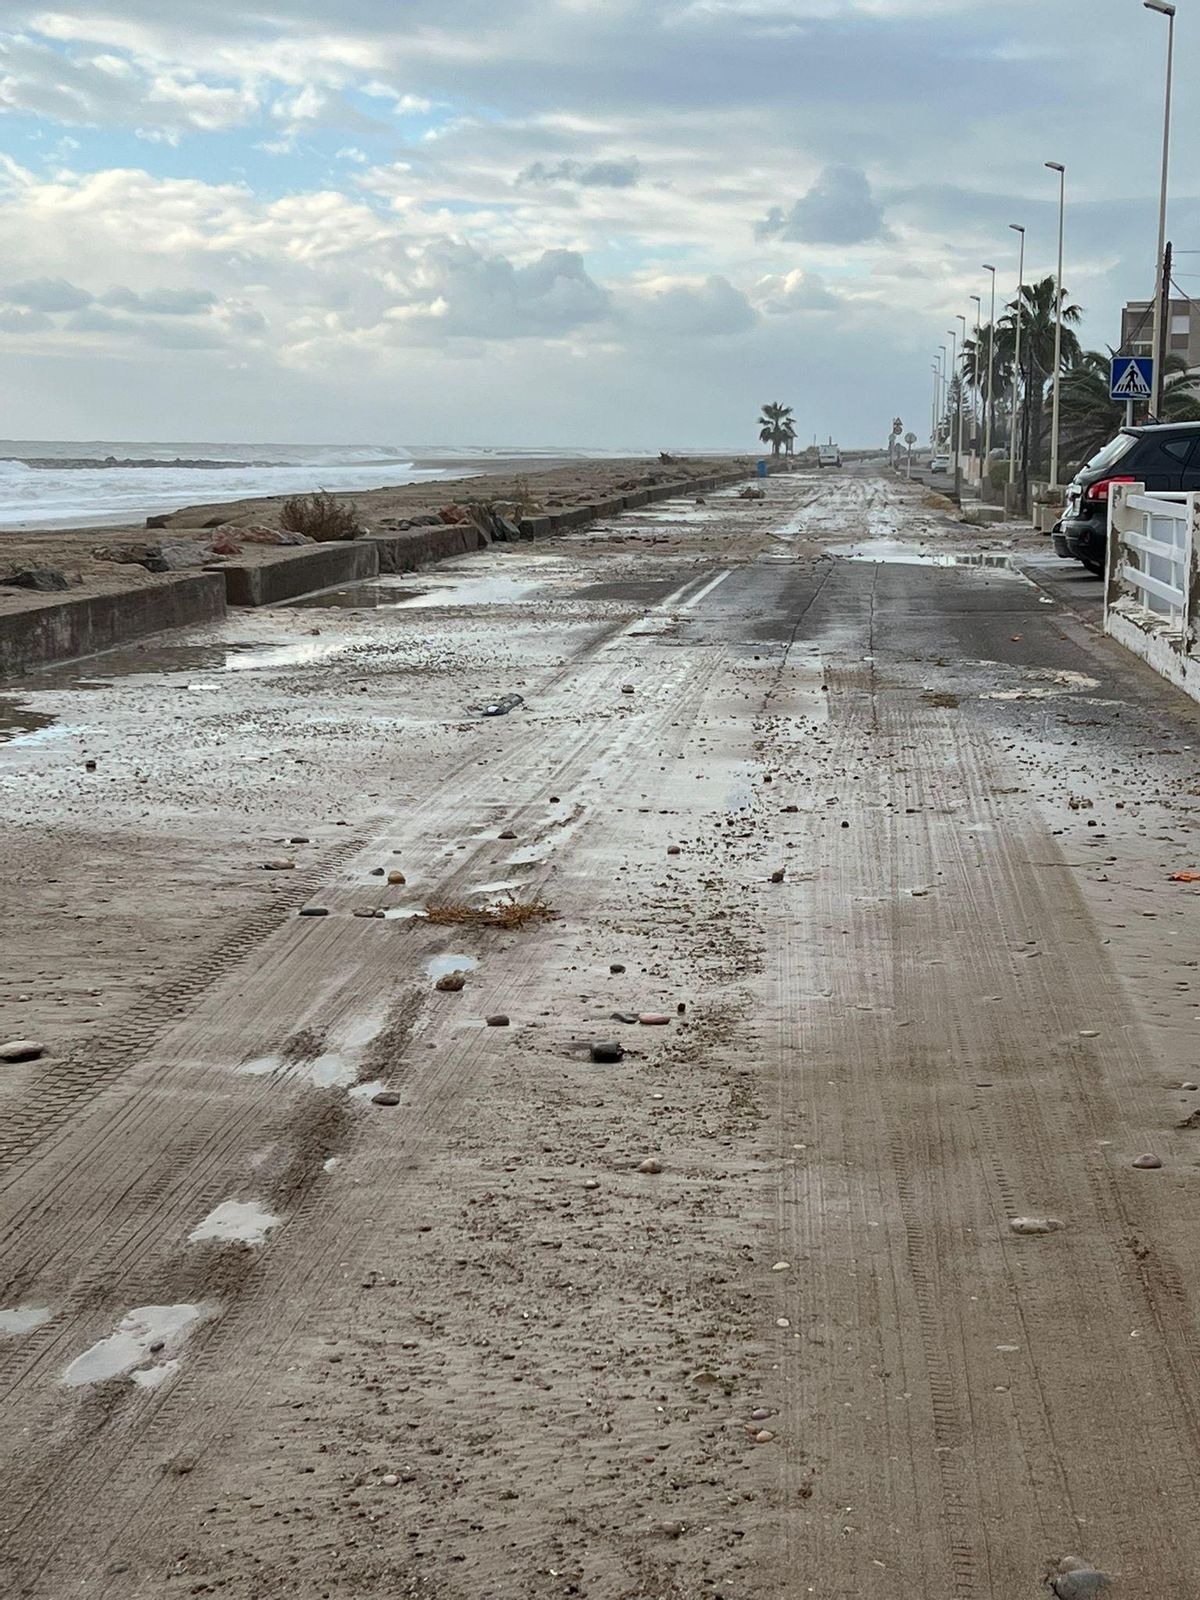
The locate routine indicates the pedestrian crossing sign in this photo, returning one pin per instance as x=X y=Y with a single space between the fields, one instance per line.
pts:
x=1132 y=378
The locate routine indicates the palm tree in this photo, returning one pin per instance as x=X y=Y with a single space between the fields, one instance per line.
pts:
x=776 y=426
x=975 y=370
x=1038 y=306
x=1090 y=418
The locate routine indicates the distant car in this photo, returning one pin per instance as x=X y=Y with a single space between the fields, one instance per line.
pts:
x=939 y=463
x=1163 y=456
x=829 y=455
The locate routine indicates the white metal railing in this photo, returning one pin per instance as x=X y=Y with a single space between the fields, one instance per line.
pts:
x=1153 y=545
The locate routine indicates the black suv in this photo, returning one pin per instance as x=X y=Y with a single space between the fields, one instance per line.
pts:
x=1164 y=457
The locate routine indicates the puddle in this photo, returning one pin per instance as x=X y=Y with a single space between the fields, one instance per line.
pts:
x=364 y=1091
x=357 y=597
x=129 y=1346
x=403 y=913
x=260 y=1067
x=331 y=1163
x=153 y=1377
x=337 y=1067
x=23 y=1319
x=235 y=1222
x=896 y=552
x=17 y=721
x=473 y=592
x=505 y=886
x=300 y=653
x=442 y=966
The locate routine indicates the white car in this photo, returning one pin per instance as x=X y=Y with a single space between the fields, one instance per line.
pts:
x=940 y=463
x=829 y=455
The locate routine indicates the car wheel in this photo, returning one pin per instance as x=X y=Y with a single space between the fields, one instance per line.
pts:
x=1096 y=568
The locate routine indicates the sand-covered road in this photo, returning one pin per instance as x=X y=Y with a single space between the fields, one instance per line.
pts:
x=314 y=1284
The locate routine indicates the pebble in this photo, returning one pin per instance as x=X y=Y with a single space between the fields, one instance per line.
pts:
x=366 y=912
x=705 y=1378
x=651 y=1164
x=672 y=1530
x=607 y=1051
x=377 y=872
x=299 y=838
x=451 y=983
x=508 y=834
x=1035 y=1225
x=591 y=1183
x=314 y=911
x=673 y=850
x=778 y=875
x=789 y=809
x=1148 y=1162
x=397 y=877
x=763 y=1436
x=653 y=1019
x=89 y=766
x=390 y=1480
x=279 y=866
x=497 y=1021
x=782 y=1322
x=627 y=688
x=1190 y=1087
x=1089 y=1033
x=1077 y=1580
x=782 y=1266
x=624 y=1016
x=616 y=966
x=21 y=1050
x=760 y=1415
x=385 y=1097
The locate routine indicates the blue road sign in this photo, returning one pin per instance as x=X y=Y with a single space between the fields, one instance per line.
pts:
x=1132 y=378
x=762 y=469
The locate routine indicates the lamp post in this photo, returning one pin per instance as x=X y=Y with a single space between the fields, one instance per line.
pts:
x=1012 y=431
x=990 y=415
x=1162 y=287
x=1057 y=166
x=961 y=370
x=976 y=430
x=956 y=422
x=943 y=397
x=936 y=397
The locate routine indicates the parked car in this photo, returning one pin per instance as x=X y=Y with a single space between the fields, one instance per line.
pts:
x=1163 y=456
x=940 y=463
x=829 y=455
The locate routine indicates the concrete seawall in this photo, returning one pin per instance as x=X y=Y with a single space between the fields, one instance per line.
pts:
x=56 y=627
x=64 y=626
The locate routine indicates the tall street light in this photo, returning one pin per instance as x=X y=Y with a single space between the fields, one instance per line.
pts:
x=962 y=384
x=943 y=396
x=1057 y=166
x=1162 y=288
x=1012 y=441
x=937 y=395
x=975 y=428
x=990 y=414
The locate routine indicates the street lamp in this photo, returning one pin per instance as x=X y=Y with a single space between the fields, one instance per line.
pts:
x=1057 y=166
x=975 y=427
x=990 y=414
x=956 y=423
x=943 y=396
x=1012 y=440
x=936 y=397
x=1162 y=287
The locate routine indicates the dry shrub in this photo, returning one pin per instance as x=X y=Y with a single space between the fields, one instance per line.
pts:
x=319 y=516
x=505 y=914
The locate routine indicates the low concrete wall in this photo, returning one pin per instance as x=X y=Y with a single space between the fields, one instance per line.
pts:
x=1155 y=643
x=416 y=547
x=284 y=574
x=66 y=626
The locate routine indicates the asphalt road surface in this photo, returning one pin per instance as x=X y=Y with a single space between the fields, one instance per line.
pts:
x=740 y=1315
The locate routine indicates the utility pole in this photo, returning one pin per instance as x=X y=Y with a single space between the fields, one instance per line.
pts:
x=1162 y=324
x=1016 y=384
x=1162 y=282
x=1057 y=166
x=989 y=421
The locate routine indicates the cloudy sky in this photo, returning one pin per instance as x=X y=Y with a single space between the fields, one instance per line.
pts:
x=607 y=222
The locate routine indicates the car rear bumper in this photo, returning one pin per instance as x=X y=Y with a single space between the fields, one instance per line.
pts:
x=1086 y=538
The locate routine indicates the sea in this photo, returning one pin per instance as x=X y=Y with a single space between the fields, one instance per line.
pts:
x=47 y=483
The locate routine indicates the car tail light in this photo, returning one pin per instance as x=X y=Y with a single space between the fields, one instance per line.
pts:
x=1099 y=491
